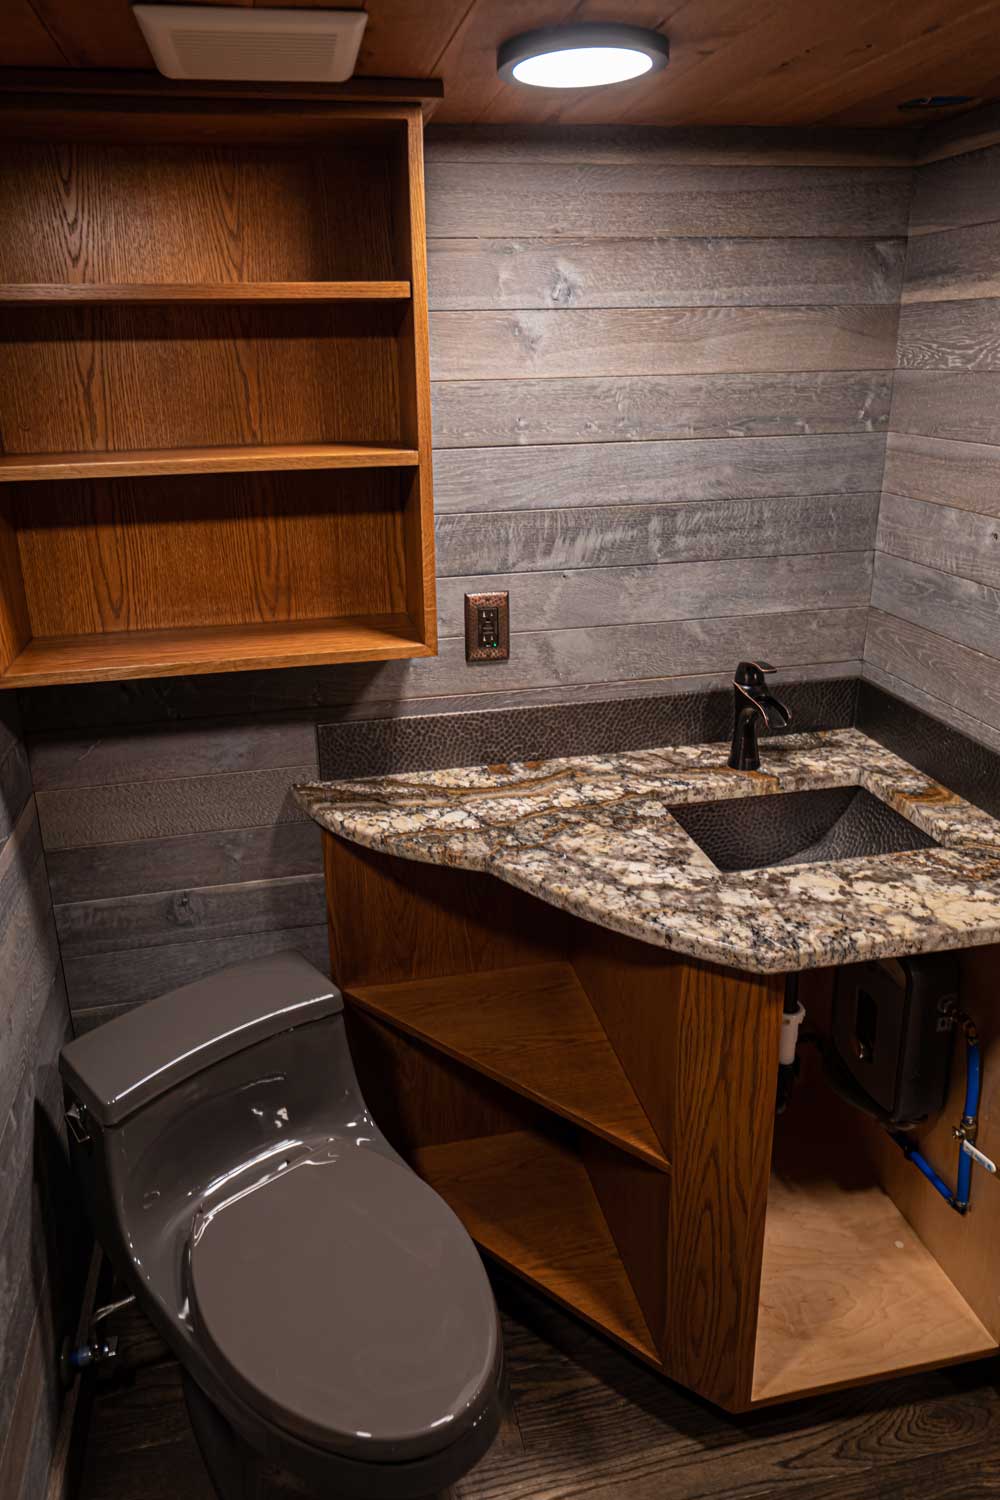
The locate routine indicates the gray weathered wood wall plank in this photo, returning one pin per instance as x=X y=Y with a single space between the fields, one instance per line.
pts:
x=677 y=591
x=163 y=809
x=966 y=475
x=962 y=405
x=538 y=200
x=616 y=535
x=467 y=274
x=955 y=263
x=959 y=608
x=523 y=413
x=959 y=191
x=669 y=146
x=934 y=631
x=960 y=677
x=659 y=341
x=548 y=477
x=195 y=914
x=957 y=335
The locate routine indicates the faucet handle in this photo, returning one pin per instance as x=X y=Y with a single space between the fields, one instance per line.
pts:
x=751 y=673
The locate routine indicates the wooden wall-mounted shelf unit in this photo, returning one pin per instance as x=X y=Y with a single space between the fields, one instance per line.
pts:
x=601 y=1116
x=214 y=401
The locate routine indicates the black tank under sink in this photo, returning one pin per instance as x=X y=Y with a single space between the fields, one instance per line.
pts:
x=796 y=828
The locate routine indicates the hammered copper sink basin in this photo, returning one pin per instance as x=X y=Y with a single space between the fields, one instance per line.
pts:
x=792 y=828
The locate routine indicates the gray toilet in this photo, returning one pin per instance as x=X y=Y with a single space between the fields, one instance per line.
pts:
x=333 y=1320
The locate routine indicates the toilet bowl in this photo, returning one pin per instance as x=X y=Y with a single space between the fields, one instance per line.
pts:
x=332 y=1318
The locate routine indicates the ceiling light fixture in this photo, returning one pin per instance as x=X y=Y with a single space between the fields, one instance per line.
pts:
x=581 y=57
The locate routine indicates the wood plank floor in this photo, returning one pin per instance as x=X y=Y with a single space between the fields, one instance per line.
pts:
x=585 y=1419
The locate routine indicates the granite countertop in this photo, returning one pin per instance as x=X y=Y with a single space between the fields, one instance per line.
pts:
x=593 y=835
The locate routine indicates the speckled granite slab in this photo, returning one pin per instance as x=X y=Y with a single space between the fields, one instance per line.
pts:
x=593 y=835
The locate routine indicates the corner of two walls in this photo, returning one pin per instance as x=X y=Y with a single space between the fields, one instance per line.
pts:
x=934 y=628
x=43 y=1244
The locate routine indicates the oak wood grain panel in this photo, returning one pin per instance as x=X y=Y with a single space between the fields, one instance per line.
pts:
x=617 y=535
x=46 y=661
x=955 y=404
x=528 y=1202
x=531 y=1029
x=15 y=621
x=410 y=231
x=953 y=264
x=419 y=1097
x=954 y=541
x=955 y=675
x=157 y=462
x=963 y=475
x=108 y=556
x=635 y=1201
x=951 y=194
x=585 y=409
x=77 y=379
x=66 y=293
x=964 y=611
x=132 y=214
x=548 y=477
x=387 y=928
x=962 y=335
x=849 y=1292
x=671 y=272
x=179 y=863
x=659 y=341
x=115 y=925
x=498 y=200
x=725 y=1028
x=669 y=591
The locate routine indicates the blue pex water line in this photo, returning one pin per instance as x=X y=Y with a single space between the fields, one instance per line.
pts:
x=959 y=1199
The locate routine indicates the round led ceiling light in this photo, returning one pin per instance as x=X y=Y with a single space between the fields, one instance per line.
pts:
x=582 y=57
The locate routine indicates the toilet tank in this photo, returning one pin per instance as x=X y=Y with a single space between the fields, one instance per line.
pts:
x=121 y=1067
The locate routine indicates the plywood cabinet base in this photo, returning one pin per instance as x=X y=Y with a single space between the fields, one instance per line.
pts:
x=600 y=1114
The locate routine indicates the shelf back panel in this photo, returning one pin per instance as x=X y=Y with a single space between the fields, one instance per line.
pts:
x=150 y=554
x=96 y=213
x=99 y=379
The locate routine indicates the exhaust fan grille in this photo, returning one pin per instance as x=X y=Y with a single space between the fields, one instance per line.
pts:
x=280 y=46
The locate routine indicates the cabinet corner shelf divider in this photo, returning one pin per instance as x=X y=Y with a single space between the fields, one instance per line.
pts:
x=221 y=403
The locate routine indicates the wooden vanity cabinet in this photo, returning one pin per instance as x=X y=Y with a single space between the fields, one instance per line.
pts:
x=601 y=1115
x=214 y=400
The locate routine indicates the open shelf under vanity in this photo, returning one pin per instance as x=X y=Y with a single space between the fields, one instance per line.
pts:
x=601 y=1116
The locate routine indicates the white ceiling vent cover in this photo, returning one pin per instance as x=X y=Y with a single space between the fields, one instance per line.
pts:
x=226 y=42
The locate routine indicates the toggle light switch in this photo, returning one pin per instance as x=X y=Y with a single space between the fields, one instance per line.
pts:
x=487 y=627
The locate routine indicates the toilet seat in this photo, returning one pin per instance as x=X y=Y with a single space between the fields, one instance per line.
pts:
x=344 y=1302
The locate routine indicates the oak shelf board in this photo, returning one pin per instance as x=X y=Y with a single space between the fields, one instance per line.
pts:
x=51 y=660
x=18 y=468
x=849 y=1293
x=532 y=1029
x=70 y=294
x=527 y=1201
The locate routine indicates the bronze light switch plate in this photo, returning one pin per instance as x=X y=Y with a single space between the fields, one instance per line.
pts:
x=487 y=627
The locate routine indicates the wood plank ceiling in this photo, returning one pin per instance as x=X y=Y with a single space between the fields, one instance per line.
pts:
x=760 y=62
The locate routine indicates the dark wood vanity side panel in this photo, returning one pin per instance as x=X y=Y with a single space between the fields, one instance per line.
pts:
x=724 y=1036
x=419 y=1097
x=632 y=987
x=635 y=1201
x=392 y=919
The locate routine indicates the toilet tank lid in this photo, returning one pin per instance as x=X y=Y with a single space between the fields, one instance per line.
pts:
x=119 y=1067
